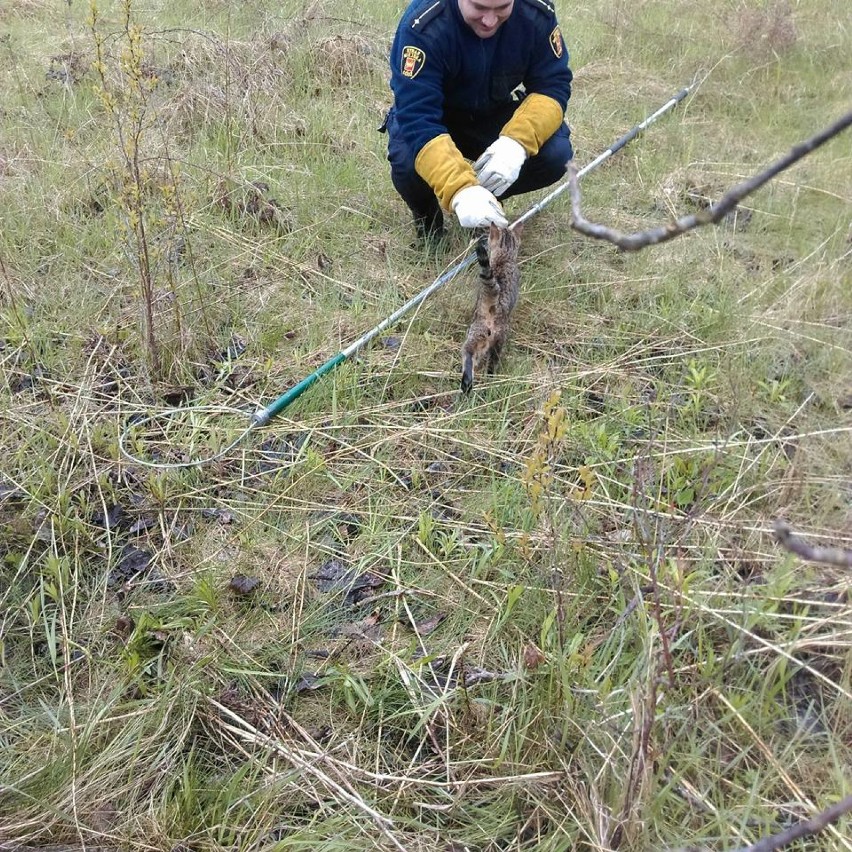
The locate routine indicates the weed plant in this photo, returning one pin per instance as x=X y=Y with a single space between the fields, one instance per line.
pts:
x=551 y=616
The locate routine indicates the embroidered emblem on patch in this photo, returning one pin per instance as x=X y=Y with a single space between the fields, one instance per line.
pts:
x=556 y=42
x=413 y=59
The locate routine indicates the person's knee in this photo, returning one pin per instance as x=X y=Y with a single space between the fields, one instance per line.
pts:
x=401 y=160
x=554 y=156
x=545 y=168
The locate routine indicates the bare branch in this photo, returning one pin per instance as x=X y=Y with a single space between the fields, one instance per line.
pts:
x=827 y=555
x=653 y=236
x=801 y=829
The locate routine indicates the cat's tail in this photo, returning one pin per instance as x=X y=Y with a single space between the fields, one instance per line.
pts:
x=467 y=372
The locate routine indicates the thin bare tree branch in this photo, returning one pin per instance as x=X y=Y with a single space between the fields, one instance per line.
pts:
x=653 y=236
x=827 y=555
x=801 y=829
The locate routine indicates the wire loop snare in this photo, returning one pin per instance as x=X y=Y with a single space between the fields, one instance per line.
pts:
x=195 y=423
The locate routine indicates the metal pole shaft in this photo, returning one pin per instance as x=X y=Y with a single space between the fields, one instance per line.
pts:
x=264 y=415
x=602 y=158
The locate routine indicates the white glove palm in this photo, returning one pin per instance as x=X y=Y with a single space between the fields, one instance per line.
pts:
x=500 y=164
x=475 y=207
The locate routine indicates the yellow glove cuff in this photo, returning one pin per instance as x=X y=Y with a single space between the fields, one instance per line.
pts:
x=444 y=168
x=534 y=122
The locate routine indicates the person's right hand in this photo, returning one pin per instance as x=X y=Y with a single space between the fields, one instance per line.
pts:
x=476 y=207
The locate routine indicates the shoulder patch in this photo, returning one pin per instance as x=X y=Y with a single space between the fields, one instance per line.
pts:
x=428 y=14
x=556 y=42
x=413 y=60
x=543 y=5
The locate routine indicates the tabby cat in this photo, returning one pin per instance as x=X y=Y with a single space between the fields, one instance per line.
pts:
x=497 y=253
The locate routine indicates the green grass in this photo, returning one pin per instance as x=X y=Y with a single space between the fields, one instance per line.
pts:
x=587 y=642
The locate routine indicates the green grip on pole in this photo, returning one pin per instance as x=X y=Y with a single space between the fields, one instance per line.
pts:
x=264 y=415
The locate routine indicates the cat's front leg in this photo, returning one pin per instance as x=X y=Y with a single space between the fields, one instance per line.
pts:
x=482 y=256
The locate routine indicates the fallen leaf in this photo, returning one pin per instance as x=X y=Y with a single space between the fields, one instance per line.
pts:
x=124 y=625
x=243 y=585
x=308 y=682
x=331 y=575
x=132 y=563
x=429 y=625
x=533 y=656
x=114 y=517
x=367 y=628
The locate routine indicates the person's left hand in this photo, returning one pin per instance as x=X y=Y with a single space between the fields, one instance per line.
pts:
x=500 y=164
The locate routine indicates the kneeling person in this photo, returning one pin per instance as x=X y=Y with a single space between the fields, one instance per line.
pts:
x=480 y=80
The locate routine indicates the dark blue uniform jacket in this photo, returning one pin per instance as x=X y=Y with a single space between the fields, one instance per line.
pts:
x=439 y=65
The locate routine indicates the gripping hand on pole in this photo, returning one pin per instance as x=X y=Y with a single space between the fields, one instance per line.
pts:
x=500 y=164
x=475 y=207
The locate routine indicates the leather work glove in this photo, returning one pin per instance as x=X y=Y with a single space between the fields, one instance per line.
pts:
x=475 y=207
x=500 y=164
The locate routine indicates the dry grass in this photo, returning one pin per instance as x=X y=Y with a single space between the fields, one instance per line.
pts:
x=366 y=627
x=766 y=32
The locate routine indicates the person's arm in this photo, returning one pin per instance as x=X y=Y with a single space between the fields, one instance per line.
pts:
x=548 y=85
x=419 y=61
x=534 y=122
x=542 y=111
x=441 y=164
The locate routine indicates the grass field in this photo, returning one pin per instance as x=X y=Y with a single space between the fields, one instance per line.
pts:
x=548 y=616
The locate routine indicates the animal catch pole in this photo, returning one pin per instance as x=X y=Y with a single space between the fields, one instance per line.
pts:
x=263 y=415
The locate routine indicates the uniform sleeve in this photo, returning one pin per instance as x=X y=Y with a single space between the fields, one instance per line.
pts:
x=418 y=67
x=441 y=164
x=548 y=86
x=534 y=122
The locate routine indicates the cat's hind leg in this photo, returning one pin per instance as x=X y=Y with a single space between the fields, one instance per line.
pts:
x=493 y=359
x=467 y=371
x=494 y=355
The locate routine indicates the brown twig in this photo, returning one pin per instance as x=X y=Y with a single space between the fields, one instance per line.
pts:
x=827 y=555
x=801 y=829
x=653 y=236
